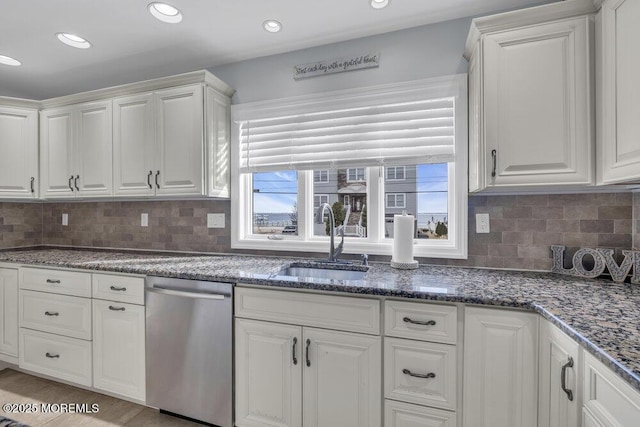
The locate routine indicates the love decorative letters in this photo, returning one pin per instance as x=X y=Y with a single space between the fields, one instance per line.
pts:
x=602 y=258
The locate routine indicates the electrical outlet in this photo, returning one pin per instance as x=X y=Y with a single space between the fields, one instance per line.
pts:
x=65 y=219
x=482 y=223
x=215 y=220
x=144 y=220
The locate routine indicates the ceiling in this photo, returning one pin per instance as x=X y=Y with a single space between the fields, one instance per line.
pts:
x=130 y=45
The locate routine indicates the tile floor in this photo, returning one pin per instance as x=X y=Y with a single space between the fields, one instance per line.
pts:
x=17 y=387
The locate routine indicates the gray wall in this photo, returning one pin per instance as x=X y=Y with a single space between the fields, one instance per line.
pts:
x=417 y=53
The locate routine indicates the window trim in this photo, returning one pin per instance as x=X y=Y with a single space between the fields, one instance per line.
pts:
x=319 y=195
x=395 y=200
x=321 y=181
x=455 y=247
x=364 y=174
x=395 y=168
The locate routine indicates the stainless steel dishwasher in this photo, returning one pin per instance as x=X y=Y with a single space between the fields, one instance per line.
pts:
x=190 y=349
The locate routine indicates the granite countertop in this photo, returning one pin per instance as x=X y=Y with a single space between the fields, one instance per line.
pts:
x=602 y=316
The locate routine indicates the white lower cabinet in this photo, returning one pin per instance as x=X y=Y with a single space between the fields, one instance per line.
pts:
x=608 y=400
x=299 y=375
x=400 y=414
x=119 y=348
x=500 y=368
x=9 y=313
x=559 y=396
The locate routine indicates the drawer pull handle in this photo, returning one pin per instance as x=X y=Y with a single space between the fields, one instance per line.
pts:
x=52 y=356
x=307 y=352
x=51 y=313
x=295 y=343
x=53 y=281
x=563 y=378
x=494 y=154
x=112 y=308
x=411 y=374
x=116 y=288
x=417 y=322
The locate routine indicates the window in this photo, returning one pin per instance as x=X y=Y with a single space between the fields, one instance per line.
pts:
x=396 y=200
x=319 y=199
x=355 y=174
x=321 y=176
x=369 y=153
x=396 y=173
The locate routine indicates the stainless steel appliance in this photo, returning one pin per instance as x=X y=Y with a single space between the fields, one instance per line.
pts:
x=189 y=348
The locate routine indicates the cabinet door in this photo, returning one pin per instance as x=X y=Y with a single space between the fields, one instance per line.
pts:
x=537 y=105
x=180 y=140
x=134 y=154
x=269 y=358
x=119 y=348
x=9 y=315
x=56 y=150
x=218 y=139
x=557 y=351
x=476 y=147
x=342 y=379
x=93 y=145
x=19 y=148
x=618 y=91
x=500 y=368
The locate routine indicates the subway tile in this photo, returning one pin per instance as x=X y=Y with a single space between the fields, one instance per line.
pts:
x=614 y=212
x=534 y=251
x=548 y=238
x=547 y=212
x=519 y=263
x=623 y=226
x=584 y=240
x=533 y=200
x=517 y=237
x=581 y=212
x=502 y=200
x=614 y=240
x=502 y=250
x=563 y=225
x=502 y=224
x=535 y=225
x=596 y=226
x=517 y=212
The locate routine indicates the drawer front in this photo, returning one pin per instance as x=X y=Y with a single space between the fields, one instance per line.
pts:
x=56 y=281
x=400 y=414
x=297 y=308
x=420 y=372
x=112 y=287
x=61 y=357
x=421 y=321
x=607 y=397
x=58 y=314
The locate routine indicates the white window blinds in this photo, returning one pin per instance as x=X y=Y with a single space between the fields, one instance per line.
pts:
x=382 y=132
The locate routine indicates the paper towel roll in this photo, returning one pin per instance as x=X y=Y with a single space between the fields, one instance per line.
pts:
x=402 y=238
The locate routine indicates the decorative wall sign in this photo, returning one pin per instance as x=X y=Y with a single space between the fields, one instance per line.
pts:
x=339 y=65
x=601 y=258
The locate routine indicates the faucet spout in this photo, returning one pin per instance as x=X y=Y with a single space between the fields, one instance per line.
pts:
x=334 y=252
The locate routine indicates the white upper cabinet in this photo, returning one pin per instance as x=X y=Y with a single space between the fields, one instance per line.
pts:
x=134 y=154
x=19 y=148
x=618 y=65
x=76 y=147
x=164 y=137
x=531 y=106
x=180 y=140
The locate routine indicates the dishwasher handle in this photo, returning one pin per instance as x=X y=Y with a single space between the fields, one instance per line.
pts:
x=191 y=293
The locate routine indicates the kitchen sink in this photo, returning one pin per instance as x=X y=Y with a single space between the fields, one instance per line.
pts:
x=326 y=271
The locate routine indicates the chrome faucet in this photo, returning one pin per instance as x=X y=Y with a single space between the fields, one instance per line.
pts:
x=334 y=252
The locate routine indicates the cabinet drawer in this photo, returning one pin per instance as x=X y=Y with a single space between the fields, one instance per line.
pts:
x=56 y=281
x=407 y=362
x=323 y=311
x=59 y=314
x=607 y=397
x=421 y=321
x=112 y=287
x=61 y=357
x=400 y=414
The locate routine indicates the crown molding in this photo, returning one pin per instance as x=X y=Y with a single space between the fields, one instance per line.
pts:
x=202 y=76
x=525 y=17
x=7 y=101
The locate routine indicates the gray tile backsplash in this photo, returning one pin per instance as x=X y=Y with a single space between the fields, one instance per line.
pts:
x=522 y=227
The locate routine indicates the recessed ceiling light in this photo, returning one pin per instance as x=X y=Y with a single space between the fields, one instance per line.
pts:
x=165 y=12
x=73 y=40
x=379 y=4
x=7 y=60
x=272 y=26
